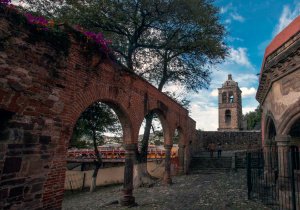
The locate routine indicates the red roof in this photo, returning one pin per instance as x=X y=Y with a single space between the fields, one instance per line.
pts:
x=282 y=37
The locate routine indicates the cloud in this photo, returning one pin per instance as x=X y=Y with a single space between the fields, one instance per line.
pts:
x=237 y=17
x=226 y=8
x=248 y=109
x=239 y=56
x=232 y=39
x=232 y=15
x=206 y=117
x=214 y=93
x=248 y=92
x=286 y=17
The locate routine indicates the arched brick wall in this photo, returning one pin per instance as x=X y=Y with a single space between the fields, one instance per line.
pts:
x=42 y=94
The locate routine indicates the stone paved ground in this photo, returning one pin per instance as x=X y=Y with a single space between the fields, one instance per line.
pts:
x=222 y=191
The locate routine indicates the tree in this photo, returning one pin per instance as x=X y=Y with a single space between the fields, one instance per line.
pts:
x=93 y=122
x=253 y=119
x=166 y=42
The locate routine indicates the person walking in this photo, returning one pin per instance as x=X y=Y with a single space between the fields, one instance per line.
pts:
x=212 y=148
x=219 y=150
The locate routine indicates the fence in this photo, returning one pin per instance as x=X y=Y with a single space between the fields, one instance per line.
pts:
x=273 y=178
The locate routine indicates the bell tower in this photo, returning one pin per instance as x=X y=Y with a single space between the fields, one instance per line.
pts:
x=230 y=106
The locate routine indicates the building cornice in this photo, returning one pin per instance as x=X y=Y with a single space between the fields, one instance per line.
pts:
x=284 y=60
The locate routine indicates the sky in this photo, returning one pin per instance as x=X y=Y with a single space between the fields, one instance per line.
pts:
x=251 y=25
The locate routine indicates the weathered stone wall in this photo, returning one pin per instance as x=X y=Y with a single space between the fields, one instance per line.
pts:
x=47 y=79
x=239 y=140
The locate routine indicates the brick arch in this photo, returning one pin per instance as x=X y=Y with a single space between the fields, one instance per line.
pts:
x=122 y=113
x=290 y=116
x=163 y=118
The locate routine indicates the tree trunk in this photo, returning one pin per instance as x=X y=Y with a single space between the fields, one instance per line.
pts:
x=141 y=176
x=97 y=163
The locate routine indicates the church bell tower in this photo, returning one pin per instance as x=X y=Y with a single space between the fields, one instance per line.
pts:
x=230 y=106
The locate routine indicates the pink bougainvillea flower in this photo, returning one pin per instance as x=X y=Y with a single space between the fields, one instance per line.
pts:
x=5 y=1
x=36 y=20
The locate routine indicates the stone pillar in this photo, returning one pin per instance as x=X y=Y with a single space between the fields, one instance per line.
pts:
x=167 y=175
x=128 y=199
x=269 y=176
x=284 y=184
x=181 y=159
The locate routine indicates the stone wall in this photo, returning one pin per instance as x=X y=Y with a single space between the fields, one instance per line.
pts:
x=239 y=140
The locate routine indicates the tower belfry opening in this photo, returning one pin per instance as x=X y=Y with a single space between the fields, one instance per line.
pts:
x=230 y=106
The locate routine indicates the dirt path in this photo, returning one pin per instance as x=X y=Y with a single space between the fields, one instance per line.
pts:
x=223 y=191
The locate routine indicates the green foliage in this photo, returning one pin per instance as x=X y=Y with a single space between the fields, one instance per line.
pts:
x=93 y=122
x=253 y=119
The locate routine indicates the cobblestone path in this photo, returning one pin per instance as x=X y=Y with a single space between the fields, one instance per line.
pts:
x=222 y=191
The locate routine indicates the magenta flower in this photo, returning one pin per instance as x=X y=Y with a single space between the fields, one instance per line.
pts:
x=36 y=20
x=5 y=2
x=98 y=38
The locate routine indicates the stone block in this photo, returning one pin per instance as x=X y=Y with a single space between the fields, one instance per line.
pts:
x=17 y=191
x=45 y=139
x=29 y=138
x=12 y=165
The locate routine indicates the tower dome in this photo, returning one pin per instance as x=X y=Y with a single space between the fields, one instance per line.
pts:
x=229 y=82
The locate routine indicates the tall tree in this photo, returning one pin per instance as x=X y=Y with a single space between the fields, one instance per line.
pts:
x=253 y=119
x=93 y=122
x=165 y=42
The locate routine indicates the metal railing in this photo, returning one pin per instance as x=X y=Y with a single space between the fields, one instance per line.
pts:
x=273 y=177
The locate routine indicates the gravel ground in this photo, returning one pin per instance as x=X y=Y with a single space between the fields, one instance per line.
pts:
x=221 y=191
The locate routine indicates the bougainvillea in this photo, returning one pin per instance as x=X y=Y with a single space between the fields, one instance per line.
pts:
x=98 y=38
x=5 y=1
x=43 y=24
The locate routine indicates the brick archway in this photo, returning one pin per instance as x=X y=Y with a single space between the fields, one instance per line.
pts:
x=44 y=92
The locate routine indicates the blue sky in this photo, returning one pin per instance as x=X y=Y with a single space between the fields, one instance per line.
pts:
x=251 y=25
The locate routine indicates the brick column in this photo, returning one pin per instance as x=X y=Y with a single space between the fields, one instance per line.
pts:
x=128 y=199
x=167 y=175
x=284 y=184
x=181 y=159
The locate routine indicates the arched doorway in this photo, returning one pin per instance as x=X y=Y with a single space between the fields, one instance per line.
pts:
x=295 y=144
x=270 y=153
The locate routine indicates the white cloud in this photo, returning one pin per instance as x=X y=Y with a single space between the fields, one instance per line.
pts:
x=239 y=56
x=214 y=93
x=248 y=92
x=226 y=8
x=286 y=17
x=237 y=17
x=206 y=117
x=248 y=109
